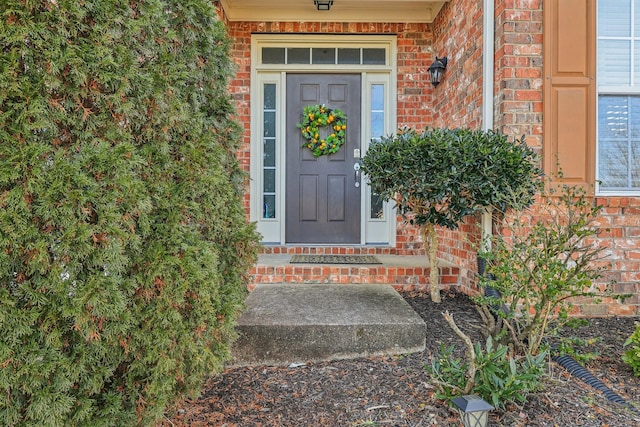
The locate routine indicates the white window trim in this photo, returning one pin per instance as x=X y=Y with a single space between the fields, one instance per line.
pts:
x=270 y=228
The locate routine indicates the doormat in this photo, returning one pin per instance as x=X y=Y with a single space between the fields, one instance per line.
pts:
x=334 y=259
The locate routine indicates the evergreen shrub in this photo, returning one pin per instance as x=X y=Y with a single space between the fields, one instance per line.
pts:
x=438 y=177
x=124 y=246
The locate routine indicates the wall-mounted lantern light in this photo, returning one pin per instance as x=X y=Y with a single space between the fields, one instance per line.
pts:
x=473 y=410
x=323 y=4
x=436 y=70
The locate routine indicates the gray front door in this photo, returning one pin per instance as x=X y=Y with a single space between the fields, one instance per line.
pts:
x=322 y=194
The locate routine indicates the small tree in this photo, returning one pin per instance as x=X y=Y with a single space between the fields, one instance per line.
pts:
x=544 y=260
x=124 y=246
x=440 y=176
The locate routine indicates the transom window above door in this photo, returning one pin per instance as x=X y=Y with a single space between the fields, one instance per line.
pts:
x=324 y=55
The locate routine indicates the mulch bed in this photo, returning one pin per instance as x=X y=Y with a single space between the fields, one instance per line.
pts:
x=395 y=391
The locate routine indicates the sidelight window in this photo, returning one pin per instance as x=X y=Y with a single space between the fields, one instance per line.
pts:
x=376 y=210
x=269 y=151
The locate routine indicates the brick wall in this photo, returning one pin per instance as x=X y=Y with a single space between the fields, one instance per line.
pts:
x=620 y=235
x=457 y=32
x=456 y=102
x=518 y=106
x=518 y=69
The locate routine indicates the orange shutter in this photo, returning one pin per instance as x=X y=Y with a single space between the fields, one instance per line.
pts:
x=570 y=90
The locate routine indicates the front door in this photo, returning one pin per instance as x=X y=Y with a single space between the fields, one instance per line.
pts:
x=323 y=193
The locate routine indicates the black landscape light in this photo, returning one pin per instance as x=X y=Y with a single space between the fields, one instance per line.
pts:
x=473 y=410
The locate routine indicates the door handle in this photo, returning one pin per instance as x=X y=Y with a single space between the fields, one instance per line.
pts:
x=356 y=168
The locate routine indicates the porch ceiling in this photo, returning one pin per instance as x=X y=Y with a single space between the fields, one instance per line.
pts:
x=341 y=11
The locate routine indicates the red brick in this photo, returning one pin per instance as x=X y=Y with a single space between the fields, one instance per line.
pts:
x=624 y=310
x=457 y=33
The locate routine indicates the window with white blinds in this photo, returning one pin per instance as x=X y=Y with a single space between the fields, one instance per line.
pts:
x=618 y=78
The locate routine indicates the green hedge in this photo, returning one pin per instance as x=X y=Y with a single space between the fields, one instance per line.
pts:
x=124 y=246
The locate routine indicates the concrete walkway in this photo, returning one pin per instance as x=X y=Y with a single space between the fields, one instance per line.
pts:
x=296 y=323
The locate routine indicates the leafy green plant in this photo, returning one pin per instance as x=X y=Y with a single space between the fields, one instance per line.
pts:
x=124 y=245
x=631 y=355
x=498 y=377
x=562 y=341
x=578 y=348
x=440 y=176
x=543 y=259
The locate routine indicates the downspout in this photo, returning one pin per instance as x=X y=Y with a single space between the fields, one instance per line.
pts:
x=488 y=42
x=488 y=56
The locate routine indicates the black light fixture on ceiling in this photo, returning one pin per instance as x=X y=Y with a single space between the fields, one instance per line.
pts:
x=323 y=4
x=436 y=70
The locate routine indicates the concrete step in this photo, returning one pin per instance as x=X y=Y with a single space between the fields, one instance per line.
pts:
x=296 y=323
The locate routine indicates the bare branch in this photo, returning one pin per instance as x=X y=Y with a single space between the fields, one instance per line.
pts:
x=471 y=370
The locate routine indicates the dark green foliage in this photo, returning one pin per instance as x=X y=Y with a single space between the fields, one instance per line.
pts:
x=499 y=377
x=444 y=175
x=441 y=176
x=632 y=351
x=123 y=242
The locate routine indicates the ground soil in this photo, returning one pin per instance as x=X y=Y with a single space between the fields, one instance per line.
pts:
x=396 y=391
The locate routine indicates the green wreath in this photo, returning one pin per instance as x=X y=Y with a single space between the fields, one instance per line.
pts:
x=316 y=117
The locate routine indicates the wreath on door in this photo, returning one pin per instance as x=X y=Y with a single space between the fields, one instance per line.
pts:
x=317 y=139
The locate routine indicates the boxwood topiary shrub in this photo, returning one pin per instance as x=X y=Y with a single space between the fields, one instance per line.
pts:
x=124 y=247
x=438 y=177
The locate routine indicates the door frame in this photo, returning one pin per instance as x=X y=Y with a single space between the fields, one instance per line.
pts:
x=373 y=231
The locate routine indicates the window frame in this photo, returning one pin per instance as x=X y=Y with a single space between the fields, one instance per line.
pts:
x=631 y=90
x=374 y=231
